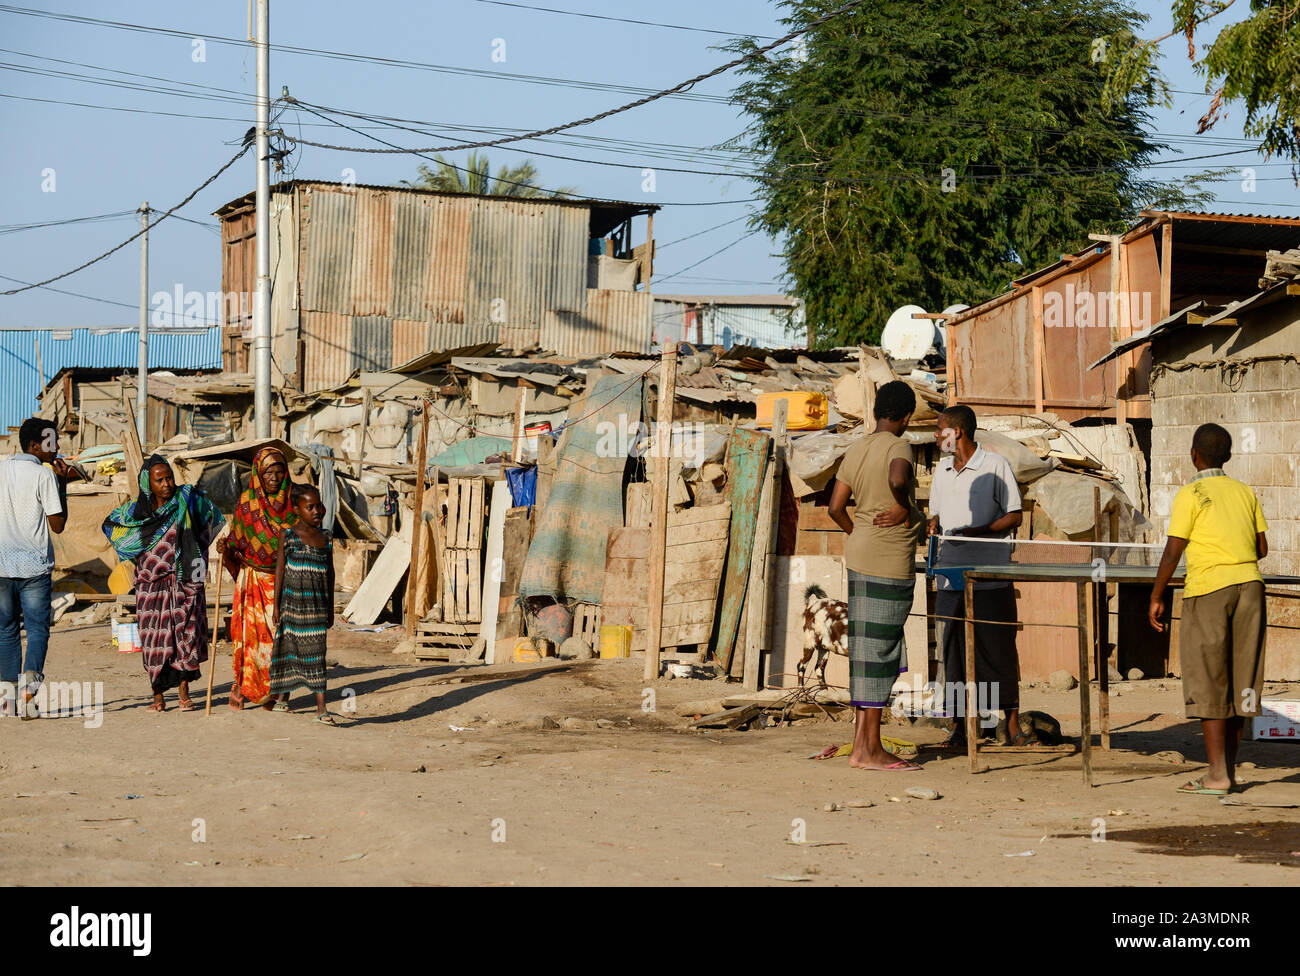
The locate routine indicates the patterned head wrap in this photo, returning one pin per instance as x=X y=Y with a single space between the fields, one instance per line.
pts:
x=262 y=514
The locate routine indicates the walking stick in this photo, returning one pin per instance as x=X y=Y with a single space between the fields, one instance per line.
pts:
x=216 y=629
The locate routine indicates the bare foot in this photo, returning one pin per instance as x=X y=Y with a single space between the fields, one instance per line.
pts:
x=881 y=760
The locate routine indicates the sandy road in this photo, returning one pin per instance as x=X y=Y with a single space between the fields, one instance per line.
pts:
x=395 y=796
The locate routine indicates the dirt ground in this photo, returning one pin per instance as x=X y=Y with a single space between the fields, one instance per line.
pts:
x=395 y=796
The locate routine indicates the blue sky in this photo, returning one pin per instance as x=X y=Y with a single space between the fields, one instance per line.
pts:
x=106 y=161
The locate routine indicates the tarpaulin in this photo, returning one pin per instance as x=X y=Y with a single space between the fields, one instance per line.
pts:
x=566 y=560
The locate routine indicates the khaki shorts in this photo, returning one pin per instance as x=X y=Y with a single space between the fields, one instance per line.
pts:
x=1221 y=644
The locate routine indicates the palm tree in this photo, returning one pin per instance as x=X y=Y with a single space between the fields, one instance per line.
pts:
x=475 y=177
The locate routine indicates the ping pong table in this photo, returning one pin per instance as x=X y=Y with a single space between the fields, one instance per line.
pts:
x=1084 y=575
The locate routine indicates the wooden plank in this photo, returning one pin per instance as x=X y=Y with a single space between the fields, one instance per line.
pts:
x=438 y=541
x=1040 y=342
x=760 y=581
x=515 y=540
x=747 y=462
x=413 y=611
x=453 y=512
x=1085 y=695
x=659 y=498
x=377 y=588
x=492 y=584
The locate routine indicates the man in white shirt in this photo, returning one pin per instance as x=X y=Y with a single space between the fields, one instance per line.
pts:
x=975 y=495
x=32 y=505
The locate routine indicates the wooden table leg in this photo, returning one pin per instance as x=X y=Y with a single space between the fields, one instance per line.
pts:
x=972 y=730
x=1085 y=717
x=1102 y=626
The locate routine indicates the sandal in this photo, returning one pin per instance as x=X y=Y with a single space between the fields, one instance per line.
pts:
x=1023 y=739
x=186 y=705
x=157 y=707
x=280 y=706
x=325 y=718
x=903 y=766
x=1198 y=786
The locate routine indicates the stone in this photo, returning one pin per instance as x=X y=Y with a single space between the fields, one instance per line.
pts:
x=573 y=648
x=1114 y=673
x=1135 y=674
x=832 y=808
x=578 y=724
x=404 y=647
x=1170 y=756
x=707 y=706
x=606 y=723
x=860 y=804
x=922 y=793
x=539 y=722
x=1062 y=680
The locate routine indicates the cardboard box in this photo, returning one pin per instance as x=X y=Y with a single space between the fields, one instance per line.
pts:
x=1278 y=721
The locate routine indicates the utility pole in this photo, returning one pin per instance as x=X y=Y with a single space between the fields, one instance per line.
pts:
x=142 y=368
x=262 y=309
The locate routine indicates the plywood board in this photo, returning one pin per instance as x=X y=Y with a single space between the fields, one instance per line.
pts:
x=377 y=589
x=695 y=556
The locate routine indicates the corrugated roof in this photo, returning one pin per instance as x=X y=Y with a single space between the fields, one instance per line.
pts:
x=21 y=368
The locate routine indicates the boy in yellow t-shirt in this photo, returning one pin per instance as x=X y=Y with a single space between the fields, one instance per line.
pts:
x=1217 y=522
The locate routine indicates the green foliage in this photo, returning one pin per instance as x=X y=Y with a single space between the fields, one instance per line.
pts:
x=928 y=151
x=1254 y=62
x=475 y=177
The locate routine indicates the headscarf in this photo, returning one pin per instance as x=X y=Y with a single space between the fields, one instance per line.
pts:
x=136 y=527
x=262 y=514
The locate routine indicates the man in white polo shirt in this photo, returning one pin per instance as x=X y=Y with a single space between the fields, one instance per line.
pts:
x=974 y=495
x=31 y=506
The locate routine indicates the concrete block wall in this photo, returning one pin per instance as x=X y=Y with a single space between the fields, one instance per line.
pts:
x=1260 y=407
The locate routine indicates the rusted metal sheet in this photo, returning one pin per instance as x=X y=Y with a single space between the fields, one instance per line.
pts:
x=410 y=339
x=328 y=339
x=1077 y=331
x=505 y=239
x=613 y=321
x=993 y=354
x=330 y=217
x=447 y=263
x=563 y=260
x=412 y=253
x=372 y=343
x=372 y=253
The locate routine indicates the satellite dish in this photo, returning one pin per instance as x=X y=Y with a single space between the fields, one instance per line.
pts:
x=940 y=333
x=907 y=337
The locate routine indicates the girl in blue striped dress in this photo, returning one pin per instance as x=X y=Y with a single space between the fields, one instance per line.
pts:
x=304 y=604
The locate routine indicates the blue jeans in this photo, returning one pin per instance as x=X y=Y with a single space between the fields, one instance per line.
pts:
x=24 y=601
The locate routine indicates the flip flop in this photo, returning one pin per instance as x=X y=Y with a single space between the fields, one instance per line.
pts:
x=326 y=719
x=903 y=766
x=280 y=707
x=186 y=705
x=157 y=707
x=1197 y=787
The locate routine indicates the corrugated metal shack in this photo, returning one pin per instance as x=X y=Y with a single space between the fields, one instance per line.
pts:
x=31 y=358
x=369 y=277
x=764 y=321
x=1237 y=365
x=1028 y=349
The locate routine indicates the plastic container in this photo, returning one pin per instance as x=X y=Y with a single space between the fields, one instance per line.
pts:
x=615 y=640
x=807 y=411
x=533 y=433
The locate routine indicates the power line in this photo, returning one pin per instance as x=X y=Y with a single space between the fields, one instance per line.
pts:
x=621 y=20
x=707 y=257
x=202 y=186
x=659 y=247
x=107 y=301
x=16 y=228
x=646 y=100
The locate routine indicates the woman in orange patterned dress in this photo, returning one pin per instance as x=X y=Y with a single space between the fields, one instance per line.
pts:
x=260 y=517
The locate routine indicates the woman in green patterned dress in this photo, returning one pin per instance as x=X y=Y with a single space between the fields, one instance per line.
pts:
x=304 y=604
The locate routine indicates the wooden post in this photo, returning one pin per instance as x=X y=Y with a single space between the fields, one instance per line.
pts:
x=439 y=544
x=1100 y=613
x=1166 y=268
x=867 y=387
x=759 y=590
x=517 y=436
x=972 y=705
x=365 y=426
x=1040 y=354
x=660 y=459
x=417 y=530
x=132 y=449
x=1085 y=696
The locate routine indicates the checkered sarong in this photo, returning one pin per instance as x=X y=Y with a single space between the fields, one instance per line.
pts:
x=878 y=609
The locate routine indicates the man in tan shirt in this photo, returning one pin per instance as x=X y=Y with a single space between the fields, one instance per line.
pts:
x=880 y=554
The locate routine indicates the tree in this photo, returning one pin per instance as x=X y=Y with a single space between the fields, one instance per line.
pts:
x=475 y=177
x=927 y=151
x=1254 y=62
